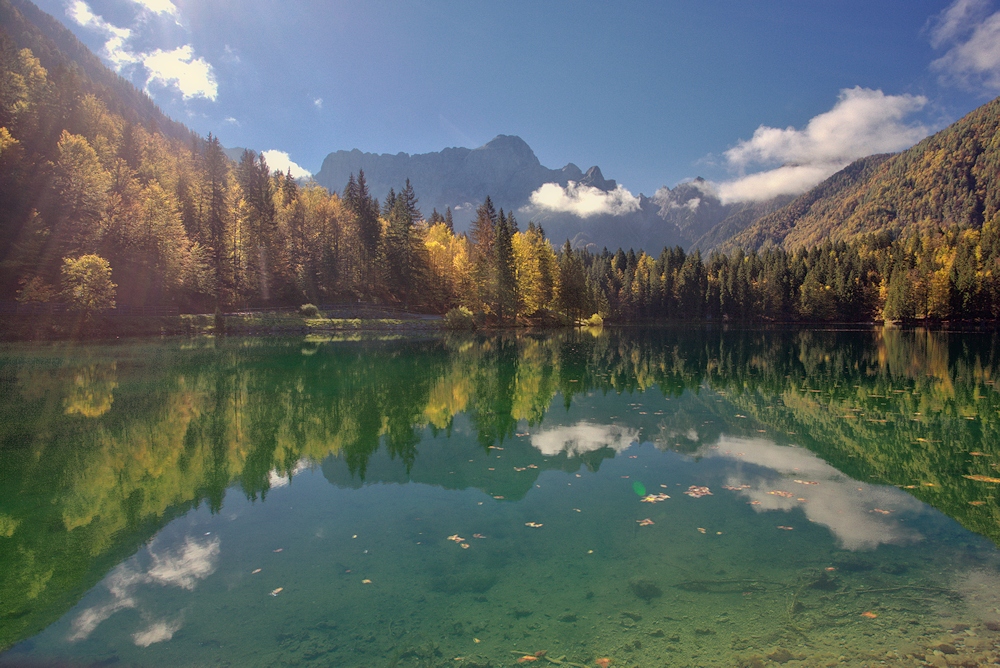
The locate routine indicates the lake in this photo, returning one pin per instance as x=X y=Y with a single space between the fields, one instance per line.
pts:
x=656 y=497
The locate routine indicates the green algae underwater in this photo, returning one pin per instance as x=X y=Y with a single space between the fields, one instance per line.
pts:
x=655 y=497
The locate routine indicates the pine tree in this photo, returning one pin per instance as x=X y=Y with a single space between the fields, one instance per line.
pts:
x=506 y=299
x=389 y=204
x=572 y=283
x=409 y=199
x=483 y=236
x=365 y=209
x=216 y=184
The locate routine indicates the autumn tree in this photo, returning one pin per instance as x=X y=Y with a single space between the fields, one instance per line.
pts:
x=87 y=283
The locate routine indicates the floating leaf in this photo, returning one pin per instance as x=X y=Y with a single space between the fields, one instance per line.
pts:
x=639 y=488
x=982 y=478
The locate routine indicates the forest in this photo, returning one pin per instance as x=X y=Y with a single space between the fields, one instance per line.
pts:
x=100 y=210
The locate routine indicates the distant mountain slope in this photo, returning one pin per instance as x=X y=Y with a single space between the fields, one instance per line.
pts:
x=742 y=216
x=949 y=178
x=57 y=49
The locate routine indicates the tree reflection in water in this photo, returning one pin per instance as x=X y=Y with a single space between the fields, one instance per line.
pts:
x=102 y=445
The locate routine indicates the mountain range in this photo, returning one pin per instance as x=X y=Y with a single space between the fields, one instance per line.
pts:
x=509 y=172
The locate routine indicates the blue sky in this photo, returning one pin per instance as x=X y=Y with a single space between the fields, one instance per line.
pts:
x=760 y=97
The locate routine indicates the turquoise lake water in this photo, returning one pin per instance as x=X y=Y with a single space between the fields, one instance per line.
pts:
x=656 y=498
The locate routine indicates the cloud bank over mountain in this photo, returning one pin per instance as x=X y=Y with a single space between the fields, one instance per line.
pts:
x=862 y=122
x=583 y=200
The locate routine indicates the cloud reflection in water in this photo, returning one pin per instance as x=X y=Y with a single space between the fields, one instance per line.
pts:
x=861 y=516
x=583 y=437
x=195 y=560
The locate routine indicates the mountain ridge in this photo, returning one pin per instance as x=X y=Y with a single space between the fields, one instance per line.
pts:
x=505 y=168
x=508 y=171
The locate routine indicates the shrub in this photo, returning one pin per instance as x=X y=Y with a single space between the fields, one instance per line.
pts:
x=594 y=321
x=309 y=311
x=459 y=318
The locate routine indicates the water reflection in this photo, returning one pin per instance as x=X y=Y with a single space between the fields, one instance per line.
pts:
x=782 y=478
x=102 y=446
x=184 y=566
x=583 y=437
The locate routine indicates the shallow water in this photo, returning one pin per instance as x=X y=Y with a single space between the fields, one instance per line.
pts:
x=470 y=502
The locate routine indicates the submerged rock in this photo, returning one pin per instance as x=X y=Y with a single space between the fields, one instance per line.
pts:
x=646 y=590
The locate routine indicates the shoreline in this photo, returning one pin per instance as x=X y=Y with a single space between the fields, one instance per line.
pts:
x=98 y=327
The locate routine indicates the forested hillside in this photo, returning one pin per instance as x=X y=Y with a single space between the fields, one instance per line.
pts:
x=99 y=207
x=950 y=178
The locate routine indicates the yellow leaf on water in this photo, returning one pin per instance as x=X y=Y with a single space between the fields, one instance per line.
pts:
x=982 y=478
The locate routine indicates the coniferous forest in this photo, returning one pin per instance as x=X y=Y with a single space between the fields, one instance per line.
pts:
x=102 y=208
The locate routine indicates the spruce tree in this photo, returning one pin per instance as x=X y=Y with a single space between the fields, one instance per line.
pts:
x=505 y=304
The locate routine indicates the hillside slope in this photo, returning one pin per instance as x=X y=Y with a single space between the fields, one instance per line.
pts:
x=949 y=178
x=57 y=49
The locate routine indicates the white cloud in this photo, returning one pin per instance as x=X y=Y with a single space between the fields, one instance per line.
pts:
x=114 y=46
x=863 y=122
x=178 y=68
x=955 y=21
x=318 y=102
x=583 y=200
x=972 y=37
x=231 y=121
x=282 y=162
x=583 y=437
x=159 y=7
x=787 y=180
